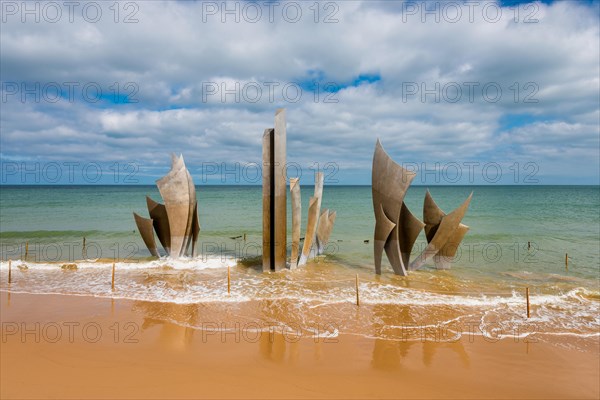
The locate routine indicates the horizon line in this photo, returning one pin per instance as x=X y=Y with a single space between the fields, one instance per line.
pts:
x=258 y=185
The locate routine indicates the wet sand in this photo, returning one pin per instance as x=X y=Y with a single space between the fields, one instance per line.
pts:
x=56 y=346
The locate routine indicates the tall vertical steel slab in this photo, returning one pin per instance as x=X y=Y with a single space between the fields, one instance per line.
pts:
x=275 y=195
x=267 y=173
x=280 y=190
x=296 y=220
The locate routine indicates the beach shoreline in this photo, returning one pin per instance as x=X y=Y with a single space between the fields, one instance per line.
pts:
x=63 y=346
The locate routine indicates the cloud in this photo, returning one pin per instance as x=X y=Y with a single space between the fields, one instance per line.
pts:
x=432 y=91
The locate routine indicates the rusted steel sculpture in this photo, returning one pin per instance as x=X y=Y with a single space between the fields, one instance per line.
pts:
x=444 y=233
x=275 y=195
x=397 y=229
x=296 y=220
x=175 y=222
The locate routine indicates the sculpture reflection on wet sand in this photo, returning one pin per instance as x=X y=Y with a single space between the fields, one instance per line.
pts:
x=176 y=222
x=397 y=229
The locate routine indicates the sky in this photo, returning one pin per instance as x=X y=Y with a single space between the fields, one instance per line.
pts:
x=460 y=92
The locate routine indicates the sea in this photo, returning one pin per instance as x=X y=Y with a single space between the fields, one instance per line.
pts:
x=537 y=242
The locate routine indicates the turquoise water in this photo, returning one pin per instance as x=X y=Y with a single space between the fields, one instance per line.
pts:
x=486 y=282
x=503 y=219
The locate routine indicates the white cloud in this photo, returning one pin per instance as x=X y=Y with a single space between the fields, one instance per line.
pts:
x=171 y=52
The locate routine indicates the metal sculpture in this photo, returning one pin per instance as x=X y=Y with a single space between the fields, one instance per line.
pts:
x=397 y=229
x=443 y=232
x=326 y=221
x=195 y=229
x=296 y=220
x=392 y=218
x=144 y=225
x=175 y=222
x=314 y=211
x=274 y=195
x=311 y=229
x=175 y=192
x=274 y=204
x=322 y=228
x=160 y=220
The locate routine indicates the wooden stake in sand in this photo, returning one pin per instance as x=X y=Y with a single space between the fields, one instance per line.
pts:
x=527 y=295
x=244 y=237
x=228 y=280
x=26 y=249
x=357 y=297
x=9 y=272
x=566 y=260
x=528 y=245
x=83 y=253
x=113 y=277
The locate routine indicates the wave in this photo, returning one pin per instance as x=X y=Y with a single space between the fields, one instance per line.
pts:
x=183 y=263
x=42 y=234
x=319 y=293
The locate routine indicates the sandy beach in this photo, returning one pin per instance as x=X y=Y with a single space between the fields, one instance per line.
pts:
x=60 y=346
x=300 y=199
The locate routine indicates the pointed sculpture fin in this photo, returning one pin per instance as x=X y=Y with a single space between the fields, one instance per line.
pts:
x=311 y=230
x=175 y=191
x=390 y=181
x=410 y=228
x=160 y=221
x=445 y=231
x=322 y=228
x=144 y=226
x=296 y=220
x=432 y=216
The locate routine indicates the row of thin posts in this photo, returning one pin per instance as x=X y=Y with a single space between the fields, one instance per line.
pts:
x=229 y=276
x=112 y=281
x=229 y=284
